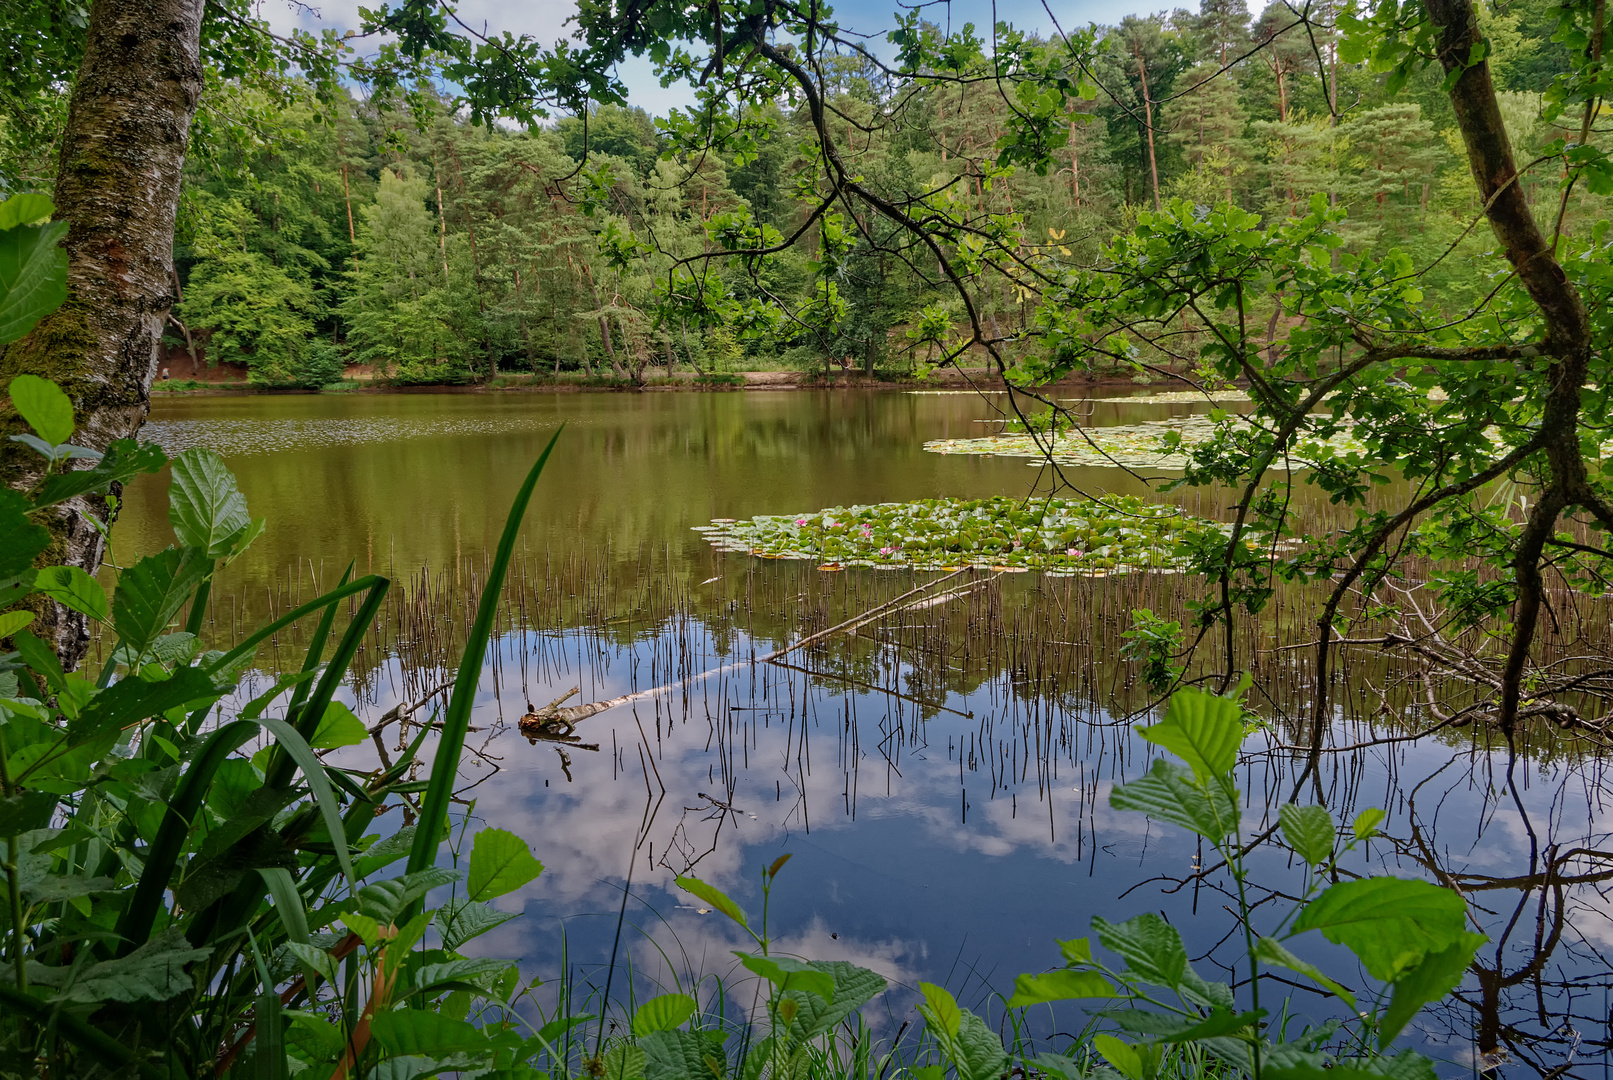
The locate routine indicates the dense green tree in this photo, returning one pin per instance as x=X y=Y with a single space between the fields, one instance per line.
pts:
x=412 y=313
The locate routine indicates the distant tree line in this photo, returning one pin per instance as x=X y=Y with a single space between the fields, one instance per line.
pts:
x=313 y=234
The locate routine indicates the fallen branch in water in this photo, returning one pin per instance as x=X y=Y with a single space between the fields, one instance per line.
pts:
x=552 y=717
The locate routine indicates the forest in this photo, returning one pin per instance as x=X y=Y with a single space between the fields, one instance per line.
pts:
x=402 y=236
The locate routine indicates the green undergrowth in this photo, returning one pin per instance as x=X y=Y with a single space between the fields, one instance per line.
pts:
x=1120 y=533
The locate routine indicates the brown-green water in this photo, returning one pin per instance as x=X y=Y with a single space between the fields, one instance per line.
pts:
x=401 y=481
x=942 y=777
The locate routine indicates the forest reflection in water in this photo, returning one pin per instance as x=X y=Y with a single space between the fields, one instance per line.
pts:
x=942 y=777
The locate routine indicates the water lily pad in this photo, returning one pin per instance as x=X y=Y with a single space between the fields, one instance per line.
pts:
x=1115 y=534
x=1134 y=446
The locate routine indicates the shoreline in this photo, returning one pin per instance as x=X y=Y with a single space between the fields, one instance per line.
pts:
x=963 y=381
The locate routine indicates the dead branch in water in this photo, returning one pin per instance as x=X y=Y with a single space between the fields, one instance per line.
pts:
x=553 y=717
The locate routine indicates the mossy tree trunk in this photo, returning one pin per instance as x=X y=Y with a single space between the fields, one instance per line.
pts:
x=117 y=186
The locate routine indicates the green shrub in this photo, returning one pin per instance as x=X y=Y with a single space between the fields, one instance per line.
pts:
x=319 y=365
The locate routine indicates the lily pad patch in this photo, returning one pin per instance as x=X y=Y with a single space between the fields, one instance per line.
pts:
x=1057 y=536
x=1133 y=446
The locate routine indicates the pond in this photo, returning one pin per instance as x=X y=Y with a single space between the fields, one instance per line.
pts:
x=941 y=777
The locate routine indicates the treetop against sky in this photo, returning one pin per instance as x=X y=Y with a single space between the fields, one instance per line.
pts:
x=546 y=21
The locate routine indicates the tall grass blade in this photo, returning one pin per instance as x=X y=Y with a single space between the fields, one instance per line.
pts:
x=306 y=720
x=223 y=663
x=287 y=902
x=326 y=602
x=445 y=767
x=292 y=742
x=316 y=650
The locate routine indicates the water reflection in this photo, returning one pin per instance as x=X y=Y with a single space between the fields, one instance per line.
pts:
x=948 y=813
x=941 y=777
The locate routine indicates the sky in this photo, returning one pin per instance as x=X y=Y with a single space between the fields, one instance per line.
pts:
x=545 y=21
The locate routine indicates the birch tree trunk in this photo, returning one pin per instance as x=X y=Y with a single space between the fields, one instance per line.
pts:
x=117 y=186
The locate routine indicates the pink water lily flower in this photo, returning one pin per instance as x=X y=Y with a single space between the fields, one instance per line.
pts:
x=800 y=521
x=887 y=551
x=1073 y=552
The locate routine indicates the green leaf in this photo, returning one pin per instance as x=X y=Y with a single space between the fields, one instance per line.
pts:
x=1389 y=923
x=1272 y=951
x=854 y=987
x=477 y=974
x=73 y=588
x=1151 y=947
x=314 y=959
x=122 y=462
x=1309 y=831
x=1169 y=794
x=787 y=973
x=205 y=506
x=1306 y=1071
x=415 y=1067
x=12 y=621
x=973 y=1048
x=500 y=862
x=131 y=700
x=40 y=658
x=1058 y=986
x=1202 y=729
x=54 y=888
x=21 y=540
x=940 y=1009
x=1123 y=1056
x=425 y=1032
x=41 y=402
x=623 y=1061
x=684 y=1055
x=33 y=283
x=1076 y=951
x=338 y=727
x=463 y=920
x=25 y=208
x=384 y=901
x=1366 y=823
x=1219 y=1024
x=385 y=852
x=314 y=1035
x=664 y=1013
x=26 y=812
x=223 y=864
x=1437 y=975
x=1064 y=1068
x=153 y=972
x=713 y=896
x=151 y=592
x=558 y=1027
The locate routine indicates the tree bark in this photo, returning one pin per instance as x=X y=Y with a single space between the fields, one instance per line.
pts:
x=117 y=185
x=1567 y=341
x=1148 y=115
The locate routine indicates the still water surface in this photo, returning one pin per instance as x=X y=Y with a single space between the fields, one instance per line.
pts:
x=947 y=810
